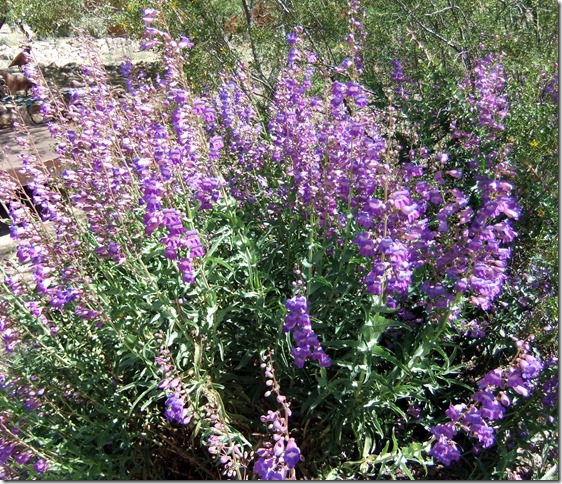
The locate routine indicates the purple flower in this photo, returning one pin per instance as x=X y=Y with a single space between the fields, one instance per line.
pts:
x=269 y=470
x=454 y=411
x=472 y=417
x=484 y=433
x=504 y=399
x=365 y=243
x=63 y=296
x=492 y=378
x=41 y=466
x=531 y=367
x=515 y=381
x=445 y=451
x=23 y=457
x=447 y=430
x=186 y=269
x=491 y=408
x=175 y=410
x=490 y=103
x=292 y=454
x=292 y=38
x=32 y=404
x=185 y=42
x=6 y=450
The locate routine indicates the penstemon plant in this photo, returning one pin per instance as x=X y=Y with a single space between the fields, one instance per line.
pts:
x=191 y=232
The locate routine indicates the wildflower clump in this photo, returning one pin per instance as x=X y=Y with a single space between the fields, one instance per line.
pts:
x=152 y=272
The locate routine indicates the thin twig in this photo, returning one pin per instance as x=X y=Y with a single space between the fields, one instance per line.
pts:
x=257 y=61
x=438 y=11
x=450 y=43
x=427 y=29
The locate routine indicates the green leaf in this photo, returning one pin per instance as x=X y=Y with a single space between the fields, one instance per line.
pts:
x=171 y=338
x=386 y=355
x=148 y=402
x=221 y=262
x=551 y=474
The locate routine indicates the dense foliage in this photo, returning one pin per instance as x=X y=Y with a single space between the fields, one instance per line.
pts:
x=312 y=273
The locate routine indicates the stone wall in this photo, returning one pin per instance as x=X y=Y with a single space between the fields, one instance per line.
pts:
x=61 y=52
x=60 y=61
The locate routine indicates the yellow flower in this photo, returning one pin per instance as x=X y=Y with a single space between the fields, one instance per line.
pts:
x=534 y=143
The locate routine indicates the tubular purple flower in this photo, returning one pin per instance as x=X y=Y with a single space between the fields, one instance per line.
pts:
x=292 y=454
x=454 y=411
x=515 y=381
x=6 y=451
x=41 y=466
x=445 y=451
x=175 y=411
x=447 y=430
x=23 y=458
x=530 y=366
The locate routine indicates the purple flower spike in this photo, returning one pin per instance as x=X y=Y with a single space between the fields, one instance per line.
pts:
x=307 y=344
x=531 y=367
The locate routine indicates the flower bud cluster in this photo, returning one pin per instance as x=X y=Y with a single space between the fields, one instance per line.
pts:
x=278 y=457
x=175 y=406
x=222 y=441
